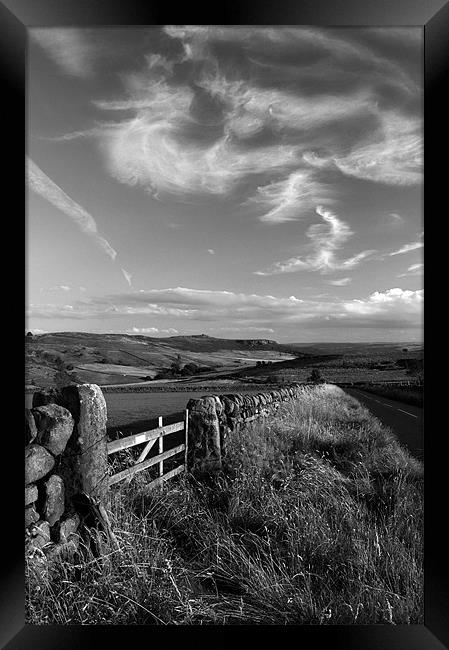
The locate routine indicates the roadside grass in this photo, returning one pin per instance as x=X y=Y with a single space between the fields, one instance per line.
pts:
x=316 y=518
x=408 y=395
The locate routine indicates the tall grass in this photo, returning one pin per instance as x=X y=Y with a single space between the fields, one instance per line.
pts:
x=315 y=518
x=412 y=395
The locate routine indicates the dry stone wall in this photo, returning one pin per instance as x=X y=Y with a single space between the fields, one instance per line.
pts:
x=213 y=418
x=65 y=464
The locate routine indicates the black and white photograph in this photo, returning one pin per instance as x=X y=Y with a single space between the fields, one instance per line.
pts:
x=224 y=325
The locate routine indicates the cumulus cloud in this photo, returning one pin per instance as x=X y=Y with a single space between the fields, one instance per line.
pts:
x=387 y=303
x=40 y=183
x=152 y=330
x=57 y=287
x=391 y=308
x=326 y=239
x=249 y=328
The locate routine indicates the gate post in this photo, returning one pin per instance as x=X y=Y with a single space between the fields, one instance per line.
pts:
x=204 y=453
x=84 y=466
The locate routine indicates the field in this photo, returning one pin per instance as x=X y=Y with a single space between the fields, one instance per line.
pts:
x=118 y=359
x=142 y=408
x=105 y=359
x=343 y=363
x=316 y=518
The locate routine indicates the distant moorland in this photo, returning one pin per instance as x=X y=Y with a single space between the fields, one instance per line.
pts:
x=105 y=359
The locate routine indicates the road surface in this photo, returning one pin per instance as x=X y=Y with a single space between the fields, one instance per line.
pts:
x=406 y=421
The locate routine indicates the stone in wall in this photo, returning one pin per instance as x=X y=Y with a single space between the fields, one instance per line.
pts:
x=230 y=408
x=229 y=424
x=38 y=463
x=68 y=528
x=54 y=499
x=54 y=426
x=39 y=535
x=31 y=494
x=30 y=427
x=31 y=515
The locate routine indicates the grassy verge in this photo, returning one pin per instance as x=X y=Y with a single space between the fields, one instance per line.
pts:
x=316 y=518
x=408 y=395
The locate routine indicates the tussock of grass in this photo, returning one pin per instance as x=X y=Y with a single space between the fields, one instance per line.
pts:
x=316 y=518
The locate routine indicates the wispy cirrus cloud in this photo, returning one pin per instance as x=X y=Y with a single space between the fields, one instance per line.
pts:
x=343 y=282
x=40 y=183
x=167 y=148
x=395 y=218
x=413 y=269
x=392 y=154
x=127 y=276
x=407 y=248
x=68 y=47
x=222 y=126
x=313 y=43
x=290 y=198
x=326 y=239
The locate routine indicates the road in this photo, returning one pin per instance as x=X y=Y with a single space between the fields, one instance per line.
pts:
x=406 y=421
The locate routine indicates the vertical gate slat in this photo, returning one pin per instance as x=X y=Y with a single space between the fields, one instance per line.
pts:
x=186 y=438
x=161 y=450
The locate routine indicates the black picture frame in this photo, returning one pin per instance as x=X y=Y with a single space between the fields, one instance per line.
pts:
x=16 y=17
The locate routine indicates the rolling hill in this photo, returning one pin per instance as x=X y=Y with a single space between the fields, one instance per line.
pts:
x=121 y=358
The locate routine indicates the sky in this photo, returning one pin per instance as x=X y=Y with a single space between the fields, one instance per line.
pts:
x=235 y=181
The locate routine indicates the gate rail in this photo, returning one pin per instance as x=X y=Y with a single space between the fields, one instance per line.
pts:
x=151 y=437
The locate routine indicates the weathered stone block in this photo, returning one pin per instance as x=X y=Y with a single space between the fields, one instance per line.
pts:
x=84 y=467
x=38 y=463
x=54 y=499
x=204 y=434
x=54 y=426
x=68 y=528
x=31 y=494
x=30 y=427
x=40 y=534
x=31 y=515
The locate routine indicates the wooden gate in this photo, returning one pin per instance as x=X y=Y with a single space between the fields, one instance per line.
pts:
x=151 y=437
